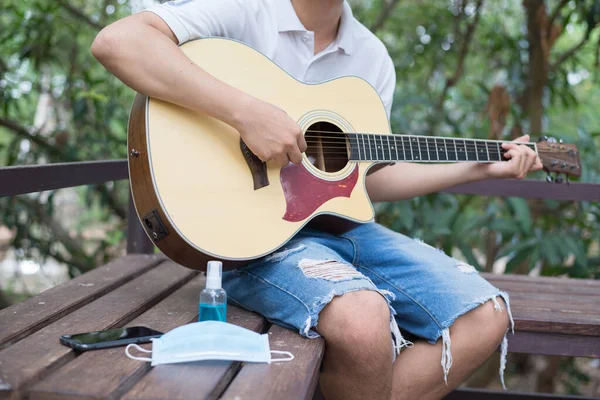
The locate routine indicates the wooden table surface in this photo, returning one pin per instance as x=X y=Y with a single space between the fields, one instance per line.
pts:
x=553 y=316
x=137 y=290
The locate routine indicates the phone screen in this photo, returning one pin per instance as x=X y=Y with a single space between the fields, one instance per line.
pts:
x=111 y=335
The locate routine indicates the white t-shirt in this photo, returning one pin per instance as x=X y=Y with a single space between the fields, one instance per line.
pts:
x=273 y=28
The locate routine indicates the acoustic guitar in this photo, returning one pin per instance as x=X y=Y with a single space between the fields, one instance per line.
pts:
x=201 y=194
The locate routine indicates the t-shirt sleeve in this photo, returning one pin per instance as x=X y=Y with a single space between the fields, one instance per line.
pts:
x=387 y=84
x=193 y=19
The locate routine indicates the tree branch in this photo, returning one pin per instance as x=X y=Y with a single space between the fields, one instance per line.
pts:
x=20 y=130
x=24 y=132
x=79 y=15
x=462 y=55
x=569 y=53
x=555 y=15
x=386 y=11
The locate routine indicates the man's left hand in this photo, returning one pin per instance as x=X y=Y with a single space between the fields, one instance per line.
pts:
x=521 y=161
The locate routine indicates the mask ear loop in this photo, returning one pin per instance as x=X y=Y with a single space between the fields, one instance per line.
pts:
x=289 y=355
x=140 y=349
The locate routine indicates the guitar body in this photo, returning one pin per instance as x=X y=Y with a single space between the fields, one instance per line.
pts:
x=201 y=197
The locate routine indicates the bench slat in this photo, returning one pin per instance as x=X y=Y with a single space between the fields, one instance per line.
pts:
x=32 y=358
x=554 y=344
x=108 y=373
x=201 y=380
x=571 y=287
x=585 y=306
x=296 y=379
x=531 y=319
x=543 y=280
x=22 y=319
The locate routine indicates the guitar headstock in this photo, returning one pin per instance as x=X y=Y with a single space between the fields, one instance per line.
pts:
x=559 y=157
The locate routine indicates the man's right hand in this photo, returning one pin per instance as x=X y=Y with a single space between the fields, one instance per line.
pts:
x=270 y=133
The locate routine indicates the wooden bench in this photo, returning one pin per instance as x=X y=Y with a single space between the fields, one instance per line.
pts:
x=553 y=316
x=137 y=290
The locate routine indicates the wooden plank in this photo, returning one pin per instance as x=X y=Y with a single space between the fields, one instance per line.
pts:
x=296 y=379
x=554 y=344
x=553 y=288
x=531 y=319
x=478 y=394
x=108 y=373
x=22 y=319
x=583 y=306
x=36 y=178
x=543 y=280
x=32 y=358
x=529 y=189
x=200 y=380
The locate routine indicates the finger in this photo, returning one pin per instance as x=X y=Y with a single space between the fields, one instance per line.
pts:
x=512 y=153
x=538 y=164
x=302 y=144
x=524 y=138
x=282 y=160
x=295 y=156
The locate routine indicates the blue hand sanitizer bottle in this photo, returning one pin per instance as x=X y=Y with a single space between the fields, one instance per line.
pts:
x=213 y=299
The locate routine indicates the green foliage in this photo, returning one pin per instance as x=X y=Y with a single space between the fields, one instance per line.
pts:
x=426 y=41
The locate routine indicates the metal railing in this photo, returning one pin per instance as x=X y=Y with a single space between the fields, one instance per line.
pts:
x=36 y=178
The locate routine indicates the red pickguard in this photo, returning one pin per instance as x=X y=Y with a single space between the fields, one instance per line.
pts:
x=304 y=192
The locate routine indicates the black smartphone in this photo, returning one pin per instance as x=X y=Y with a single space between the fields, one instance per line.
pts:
x=109 y=338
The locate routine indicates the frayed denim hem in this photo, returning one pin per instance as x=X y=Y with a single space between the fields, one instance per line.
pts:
x=444 y=333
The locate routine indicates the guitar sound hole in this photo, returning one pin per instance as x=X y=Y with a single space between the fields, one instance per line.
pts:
x=328 y=147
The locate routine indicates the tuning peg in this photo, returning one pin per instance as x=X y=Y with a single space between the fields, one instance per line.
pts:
x=559 y=179
x=551 y=140
x=568 y=181
x=543 y=138
x=549 y=178
x=560 y=141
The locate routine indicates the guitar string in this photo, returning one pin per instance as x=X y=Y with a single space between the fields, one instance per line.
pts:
x=367 y=143
x=404 y=135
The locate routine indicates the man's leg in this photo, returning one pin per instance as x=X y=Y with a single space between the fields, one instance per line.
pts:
x=475 y=336
x=358 y=347
x=358 y=356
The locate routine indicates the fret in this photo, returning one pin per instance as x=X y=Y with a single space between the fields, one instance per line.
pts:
x=437 y=152
x=450 y=150
x=431 y=148
x=419 y=147
x=396 y=147
x=370 y=148
x=365 y=156
x=461 y=150
x=375 y=146
x=413 y=149
x=487 y=150
x=440 y=145
x=480 y=147
x=388 y=149
x=423 y=150
x=357 y=137
x=403 y=149
x=470 y=150
x=499 y=151
x=476 y=152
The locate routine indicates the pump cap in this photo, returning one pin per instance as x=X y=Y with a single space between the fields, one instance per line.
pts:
x=213 y=275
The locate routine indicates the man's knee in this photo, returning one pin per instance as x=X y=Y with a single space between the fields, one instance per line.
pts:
x=490 y=321
x=359 y=323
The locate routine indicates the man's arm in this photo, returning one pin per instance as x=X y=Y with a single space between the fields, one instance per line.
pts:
x=407 y=180
x=142 y=51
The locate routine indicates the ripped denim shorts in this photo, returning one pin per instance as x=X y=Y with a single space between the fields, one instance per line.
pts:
x=425 y=289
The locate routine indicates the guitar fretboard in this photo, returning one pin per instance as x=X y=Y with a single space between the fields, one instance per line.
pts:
x=371 y=147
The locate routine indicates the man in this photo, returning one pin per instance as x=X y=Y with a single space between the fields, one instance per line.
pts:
x=359 y=289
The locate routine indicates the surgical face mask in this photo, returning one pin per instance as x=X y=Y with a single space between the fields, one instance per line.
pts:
x=209 y=340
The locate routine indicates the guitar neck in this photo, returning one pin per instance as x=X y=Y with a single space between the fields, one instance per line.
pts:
x=397 y=148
